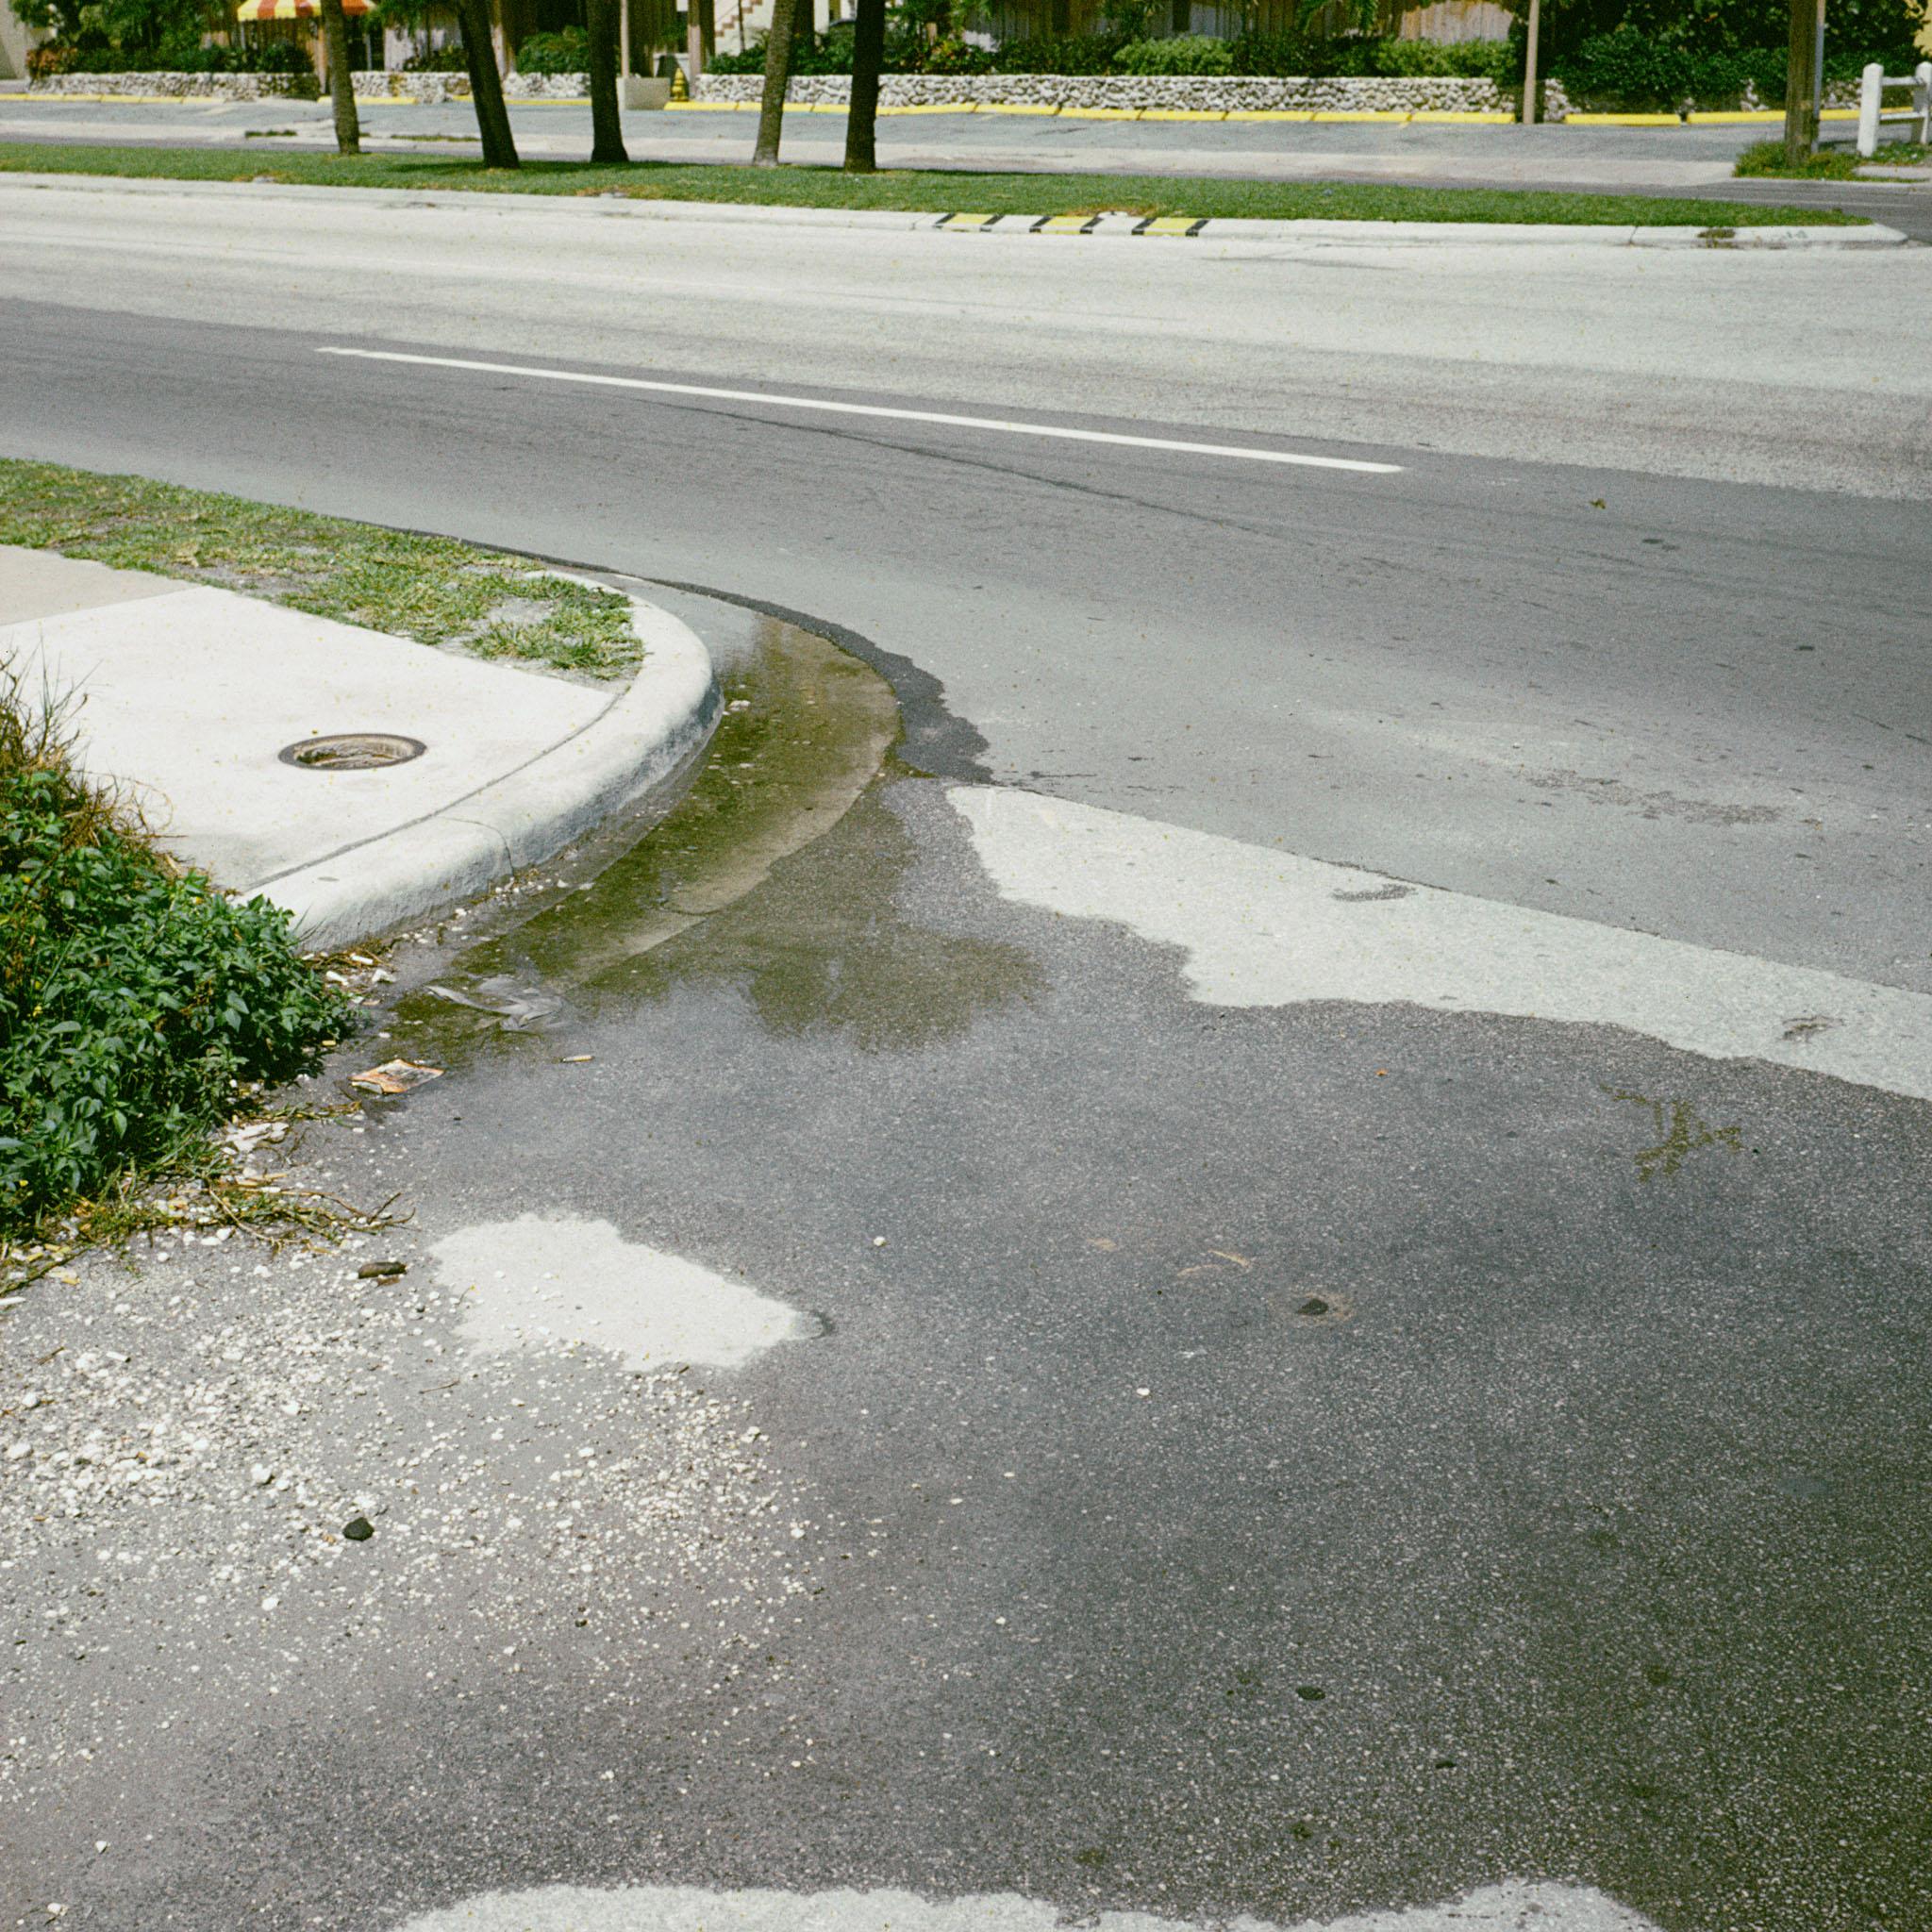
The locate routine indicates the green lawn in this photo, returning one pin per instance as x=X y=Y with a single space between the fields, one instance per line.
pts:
x=930 y=190
x=432 y=589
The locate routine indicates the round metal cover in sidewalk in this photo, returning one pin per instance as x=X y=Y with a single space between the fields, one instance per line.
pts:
x=352 y=751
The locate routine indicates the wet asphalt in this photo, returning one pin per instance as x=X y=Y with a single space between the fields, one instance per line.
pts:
x=1250 y=1461
x=1254 y=1461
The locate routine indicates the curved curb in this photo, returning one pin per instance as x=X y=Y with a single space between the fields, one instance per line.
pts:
x=640 y=742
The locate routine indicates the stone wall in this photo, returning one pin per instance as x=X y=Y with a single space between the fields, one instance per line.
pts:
x=217 y=87
x=373 y=84
x=1200 y=94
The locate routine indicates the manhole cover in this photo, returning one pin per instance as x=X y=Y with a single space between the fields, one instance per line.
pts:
x=352 y=751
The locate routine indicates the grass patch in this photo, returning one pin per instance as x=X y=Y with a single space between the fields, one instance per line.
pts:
x=139 y=1006
x=931 y=191
x=1765 y=160
x=432 y=589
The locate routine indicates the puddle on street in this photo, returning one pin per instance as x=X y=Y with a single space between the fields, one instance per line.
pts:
x=778 y=873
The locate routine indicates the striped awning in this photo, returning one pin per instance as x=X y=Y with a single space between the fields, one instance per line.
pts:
x=293 y=9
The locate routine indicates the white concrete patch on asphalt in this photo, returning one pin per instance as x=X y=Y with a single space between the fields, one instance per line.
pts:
x=1265 y=928
x=1511 y=1907
x=999 y=425
x=560 y=1282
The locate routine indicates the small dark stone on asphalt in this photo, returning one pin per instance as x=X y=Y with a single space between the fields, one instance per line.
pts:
x=1313 y=1305
x=375 y=1271
x=1313 y=1693
x=358 y=1529
x=1445 y=1764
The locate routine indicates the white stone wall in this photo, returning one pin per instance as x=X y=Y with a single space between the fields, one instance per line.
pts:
x=220 y=87
x=1209 y=93
x=371 y=85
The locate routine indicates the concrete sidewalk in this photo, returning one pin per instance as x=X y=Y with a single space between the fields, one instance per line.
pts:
x=198 y=698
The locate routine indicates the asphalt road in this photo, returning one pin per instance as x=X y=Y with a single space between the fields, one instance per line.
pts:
x=1254 y=1443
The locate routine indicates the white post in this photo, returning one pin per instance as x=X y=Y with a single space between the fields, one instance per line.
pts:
x=1921 y=99
x=1870 y=91
x=1529 y=65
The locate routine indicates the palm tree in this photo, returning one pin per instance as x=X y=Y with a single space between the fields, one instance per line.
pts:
x=341 y=83
x=486 y=87
x=862 y=117
x=606 y=130
x=777 y=77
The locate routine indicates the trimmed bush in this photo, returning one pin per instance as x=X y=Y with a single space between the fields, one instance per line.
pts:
x=567 y=51
x=133 y=995
x=1181 y=54
x=1057 y=54
x=177 y=54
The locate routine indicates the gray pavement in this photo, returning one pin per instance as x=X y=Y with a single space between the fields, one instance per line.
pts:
x=1242 y=1453
x=1693 y=159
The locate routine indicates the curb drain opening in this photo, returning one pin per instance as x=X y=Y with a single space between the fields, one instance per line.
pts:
x=352 y=751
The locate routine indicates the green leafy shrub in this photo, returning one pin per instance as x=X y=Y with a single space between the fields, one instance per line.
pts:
x=133 y=995
x=1458 y=60
x=567 y=51
x=1630 y=68
x=1180 y=54
x=955 y=55
x=180 y=53
x=1057 y=54
x=829 y=53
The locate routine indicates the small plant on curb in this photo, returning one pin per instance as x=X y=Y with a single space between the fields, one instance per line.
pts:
x=138 y=1005
x=1766 y=160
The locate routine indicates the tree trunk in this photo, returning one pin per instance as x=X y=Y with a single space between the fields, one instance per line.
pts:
x=486 y=85
x=862 y=118
x=341 y=83
x=1800 y=84
x=805 y=29
x=777 y=76
x=606 y=130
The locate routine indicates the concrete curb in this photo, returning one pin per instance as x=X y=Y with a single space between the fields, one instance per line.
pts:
x=1226 y=229
x=637 y=745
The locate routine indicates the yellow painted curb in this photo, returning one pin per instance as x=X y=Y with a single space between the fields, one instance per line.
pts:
x=1270 y=113
x=1017 y=107
x=1183 y=114
x=1735 y=117
x=1065 y=224
x=971 y=221
x=1486 y=117
x=1171 y=224
x=1622 y=121
x=1096 y=113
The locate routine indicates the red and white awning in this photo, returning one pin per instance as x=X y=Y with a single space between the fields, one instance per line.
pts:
x=293 y=9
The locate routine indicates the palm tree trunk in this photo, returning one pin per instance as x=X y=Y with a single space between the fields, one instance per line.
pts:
x=486 y=86
x=777 y=77
x=606 y=130
x=341 y=83
x=862 y=117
